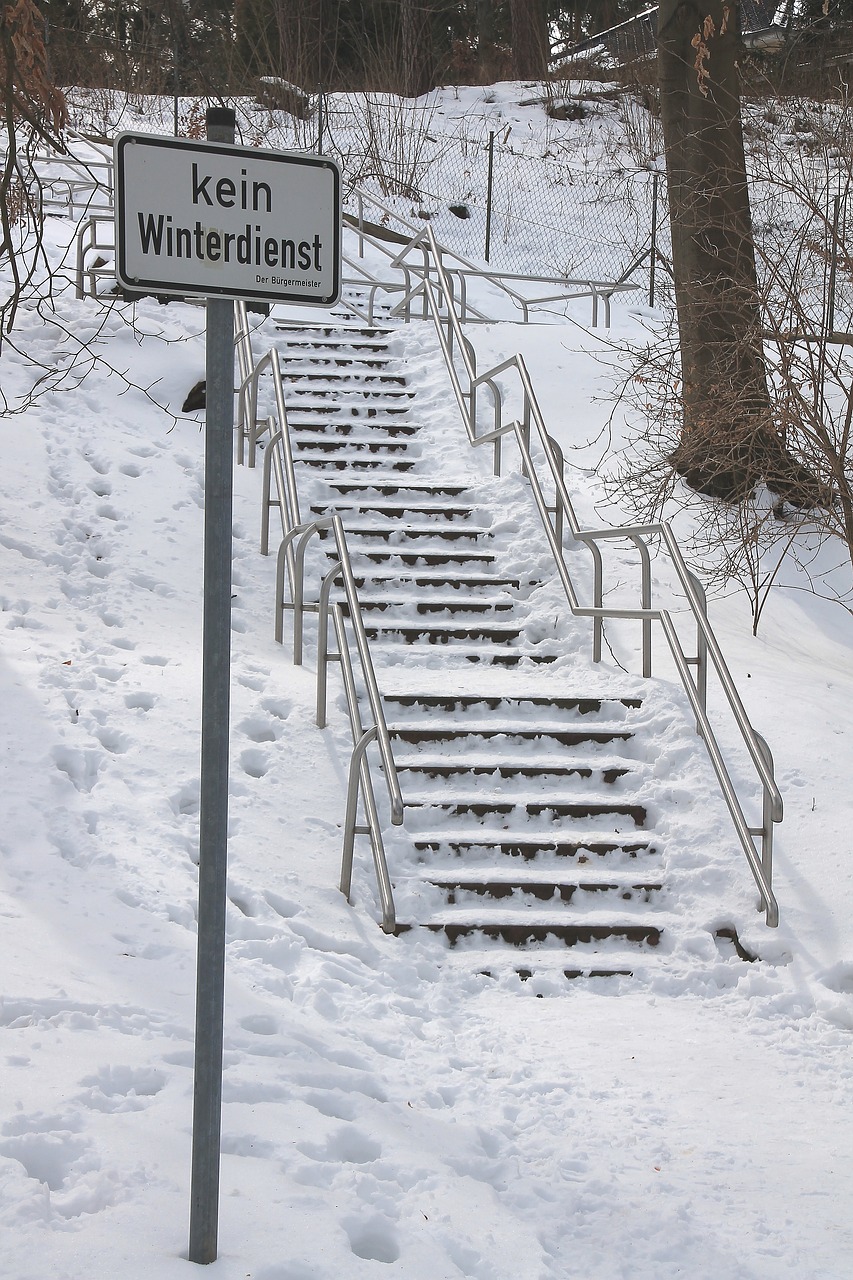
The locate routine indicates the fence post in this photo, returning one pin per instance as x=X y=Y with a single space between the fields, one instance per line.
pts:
x=833 y=266
x=654 y=251
x=489 y=195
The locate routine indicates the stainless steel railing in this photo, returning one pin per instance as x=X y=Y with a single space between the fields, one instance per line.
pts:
x=360 y=781
x=460 y=270
x=559 y=516
x=280 y=492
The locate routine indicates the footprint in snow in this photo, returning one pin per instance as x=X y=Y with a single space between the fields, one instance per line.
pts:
x=373 y=1238
x=119 y=1088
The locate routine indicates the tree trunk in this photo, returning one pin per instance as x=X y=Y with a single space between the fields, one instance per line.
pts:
x=486 y=40
x=728 y=441
x=288 y=39
x=530 y=45
x=417 y=53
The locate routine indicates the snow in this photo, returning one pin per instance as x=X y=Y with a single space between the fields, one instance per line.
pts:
x=387 y=1109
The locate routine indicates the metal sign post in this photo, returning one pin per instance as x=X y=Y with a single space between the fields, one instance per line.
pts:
x=221 y=222
x=215 y=737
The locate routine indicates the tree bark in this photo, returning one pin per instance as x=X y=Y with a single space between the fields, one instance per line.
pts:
x=417 y=52
x=486 y=39
x=728 y=442
x=530 y=47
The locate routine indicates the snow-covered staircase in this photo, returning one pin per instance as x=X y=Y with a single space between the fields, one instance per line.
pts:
x=528 y=840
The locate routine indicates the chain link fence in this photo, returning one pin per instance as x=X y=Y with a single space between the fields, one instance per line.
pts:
x=566 y=204
x=489 y=200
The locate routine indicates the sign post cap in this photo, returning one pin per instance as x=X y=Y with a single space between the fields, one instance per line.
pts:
x=221 y=116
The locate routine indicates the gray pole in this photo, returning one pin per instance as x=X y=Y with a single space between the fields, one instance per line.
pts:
x=833 y=266
x=215 y=713
x=489 y=196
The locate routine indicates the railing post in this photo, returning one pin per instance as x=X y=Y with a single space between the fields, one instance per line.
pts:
x=323 y=645
x=701 y=644
x=368 y=736
x=558 y=505
x=766 y=819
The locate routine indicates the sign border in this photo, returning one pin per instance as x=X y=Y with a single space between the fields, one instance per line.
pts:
x=149 y=285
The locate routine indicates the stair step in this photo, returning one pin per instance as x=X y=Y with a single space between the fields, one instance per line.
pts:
x=541 y=890
x=346 y=409
x=339 y=430
x=453 y=605
x=421 y=557
x=343 y=447
x=397 y=488
x=437 y=578
x=337 y=333
x=546 y=770
x=533 y=807
x=353 y=396
x=582 y=849
x=441 y=633
x=330 y=360
x=355 y=463
x=309 y=374
x=519 y=702
x=483 y=654
x=514 y=736
x=471 y=534
x=522 y=934
x=397 y=511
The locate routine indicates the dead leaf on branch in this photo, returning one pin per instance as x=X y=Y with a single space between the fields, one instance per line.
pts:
x=23 y=54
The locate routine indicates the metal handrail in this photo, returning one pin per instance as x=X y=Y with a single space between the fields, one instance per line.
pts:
x=422 y=239
x=707 y=645
x=279 y=466
x=87 y=238
x=360 y=778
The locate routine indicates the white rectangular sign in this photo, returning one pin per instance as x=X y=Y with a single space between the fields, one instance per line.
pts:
x=217 y=220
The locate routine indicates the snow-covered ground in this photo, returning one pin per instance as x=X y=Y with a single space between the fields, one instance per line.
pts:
x=386 y=1111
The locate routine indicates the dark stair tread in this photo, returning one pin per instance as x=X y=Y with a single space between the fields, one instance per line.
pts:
x=542 y=890
x=356 y=464
x=397 y=511
x=521 y=934
x=532 y=807
x=341 y=448
x=473 y=533
x=439 y=604
x=583 y=848
x=341 y=430
x=346 y=409
x=483 y=654
x=395 y=486
x=422 y=556
x=441 y=632
x=459 y=582
x=311 y=374
x=453 y=701
x=501 y=769
x=567 y=737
